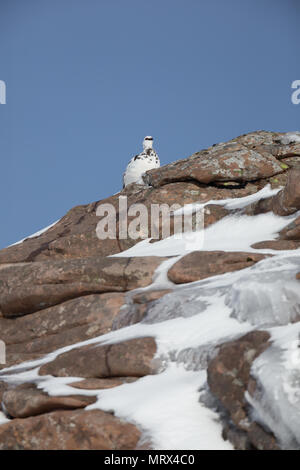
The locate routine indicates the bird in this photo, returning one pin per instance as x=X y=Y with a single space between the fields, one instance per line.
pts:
x=139 y=164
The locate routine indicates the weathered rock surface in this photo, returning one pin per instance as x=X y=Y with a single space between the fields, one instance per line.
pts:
x=229 y=378
x=202 y=264
x=241 y=160
x=67 y=323
x=129 y=358
x=26 y=288
x=69 y=430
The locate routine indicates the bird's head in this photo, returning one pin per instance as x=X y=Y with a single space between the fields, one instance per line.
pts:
x=148 y=142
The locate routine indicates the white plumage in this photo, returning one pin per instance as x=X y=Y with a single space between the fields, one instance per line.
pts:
x=141 y=163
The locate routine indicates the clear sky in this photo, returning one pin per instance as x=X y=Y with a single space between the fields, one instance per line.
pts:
x=88 y=79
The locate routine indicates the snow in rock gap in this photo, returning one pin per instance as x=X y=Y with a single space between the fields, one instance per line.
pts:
x=188 y=324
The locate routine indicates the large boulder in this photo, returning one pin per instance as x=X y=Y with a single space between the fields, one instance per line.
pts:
x=237 y=160
x=129 y=358
x=202 y=264
x=69 y=430
x=26 y=400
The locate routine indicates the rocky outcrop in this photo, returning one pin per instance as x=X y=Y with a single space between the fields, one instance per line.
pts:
x=74 y=236
x=246 y=158
x=234 y=169
x=62 y=288
x=222 y=163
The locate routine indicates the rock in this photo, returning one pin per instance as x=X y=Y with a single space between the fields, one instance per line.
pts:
x=212 y=214
x=136 y=307
x=287 y=201
x=26 y=400
x=61 y=288
x=27 y=288
x=129 y=358
x=74 y=236
x=284 y=203
x=229 y=378
x=242 y=161
x=202 y=264
x=277 y=245
x=67 y=323
x=3 y=387
x=69 y=430
x=231 y=161
x=149 y=296
x=229 y=373
x=75 y=320
x=291 y=231
x=254 y=439
x=102 y=384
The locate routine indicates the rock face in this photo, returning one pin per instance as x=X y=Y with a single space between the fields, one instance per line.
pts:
x=62 y=290
x=26 y=288
x=80 y=319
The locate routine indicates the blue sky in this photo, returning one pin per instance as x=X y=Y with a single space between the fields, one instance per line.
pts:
x=88 y=79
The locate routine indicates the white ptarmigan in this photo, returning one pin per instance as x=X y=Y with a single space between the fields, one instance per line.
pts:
x=145 y=161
